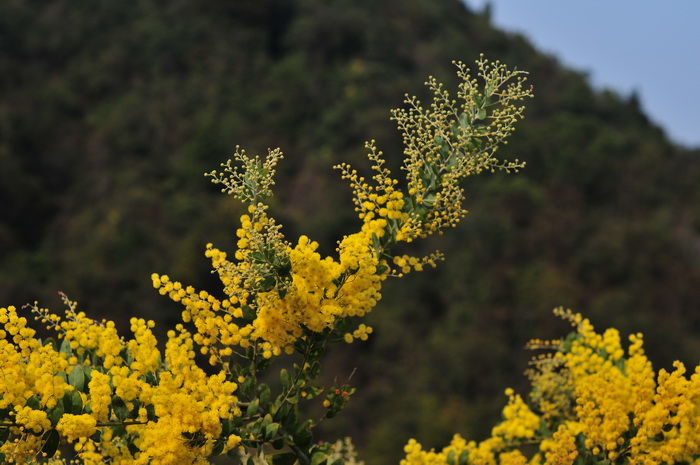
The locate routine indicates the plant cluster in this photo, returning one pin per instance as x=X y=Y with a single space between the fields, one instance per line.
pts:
x=590 y=403
x=124 y=400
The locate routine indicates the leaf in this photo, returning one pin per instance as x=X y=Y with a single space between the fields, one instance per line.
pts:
x=463 y=458
x=76 y=378
x=52 y=342
x=288 y=416
x=151 y=412
x=246 y=387
x=119 y=408
x=97 y=436
x=303 y=436
x=76 y=402
x=267 y=283
x=315 y=369
x=51 y=440
x=252 y=408
x=4 y=435
x=375 y=242
x=56 y=413
x=312 y=391
x=278 y=443
x=65 y=347
x=34 y=403
x=248 y=313
x=133 y=449
x=264 y=393
x=271 y=431
x=318 y=457
x=255 y=428
x=218 y=447
x=288 y=458
x=258 y=257
x=286 y=379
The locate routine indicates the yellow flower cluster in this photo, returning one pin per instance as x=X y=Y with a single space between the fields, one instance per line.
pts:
x=561 y=448
x=415 y=455
x=28 y=418
x=519 y=422
x=123 y=401
x=362 y=332
x=51 y=391
x=29 y=369
x=619 y=411
x=318 y=293
x=73 y=427
x=448 y=142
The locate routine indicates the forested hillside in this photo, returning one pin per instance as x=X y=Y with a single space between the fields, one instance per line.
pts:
x=111 y=111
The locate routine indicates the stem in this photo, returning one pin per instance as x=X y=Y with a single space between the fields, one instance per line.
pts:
x=303 y=459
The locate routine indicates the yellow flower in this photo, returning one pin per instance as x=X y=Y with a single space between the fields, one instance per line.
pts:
x=73 y=427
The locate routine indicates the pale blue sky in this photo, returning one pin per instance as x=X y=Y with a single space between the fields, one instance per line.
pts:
x=651 y=47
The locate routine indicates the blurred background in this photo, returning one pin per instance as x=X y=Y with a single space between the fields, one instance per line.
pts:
x=111 y=111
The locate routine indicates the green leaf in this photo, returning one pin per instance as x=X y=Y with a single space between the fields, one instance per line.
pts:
x=264 y=393
x=267 y=283
x=318 y=457
x=282 y=291
x=34 y=403
x=246 y=387
x=132 y=448
x=4 y=435
x=76 y=402
x=56 y=413
x=151 y=378
x=375 y=242
x=258 y=257
x=248 y=313
x=65 y=347
x=151 y=412
x=271 y=430
x=52 y=342
x=51 y=440
x=288 y=416
x=288 y=458
x=97 y=436
x=119 y=408
x=218 y=447
x=303 y=436
x=312 y=391
x=252 y=408
x=278 y=443
x=255 y=428
x=76 y=378
x=286 y=379
x=314 y=369
x=463 y=458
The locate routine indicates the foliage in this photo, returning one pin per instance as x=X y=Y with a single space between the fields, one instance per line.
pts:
x=126 y=401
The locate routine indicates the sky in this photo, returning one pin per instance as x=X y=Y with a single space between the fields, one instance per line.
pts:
x=648 y=47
